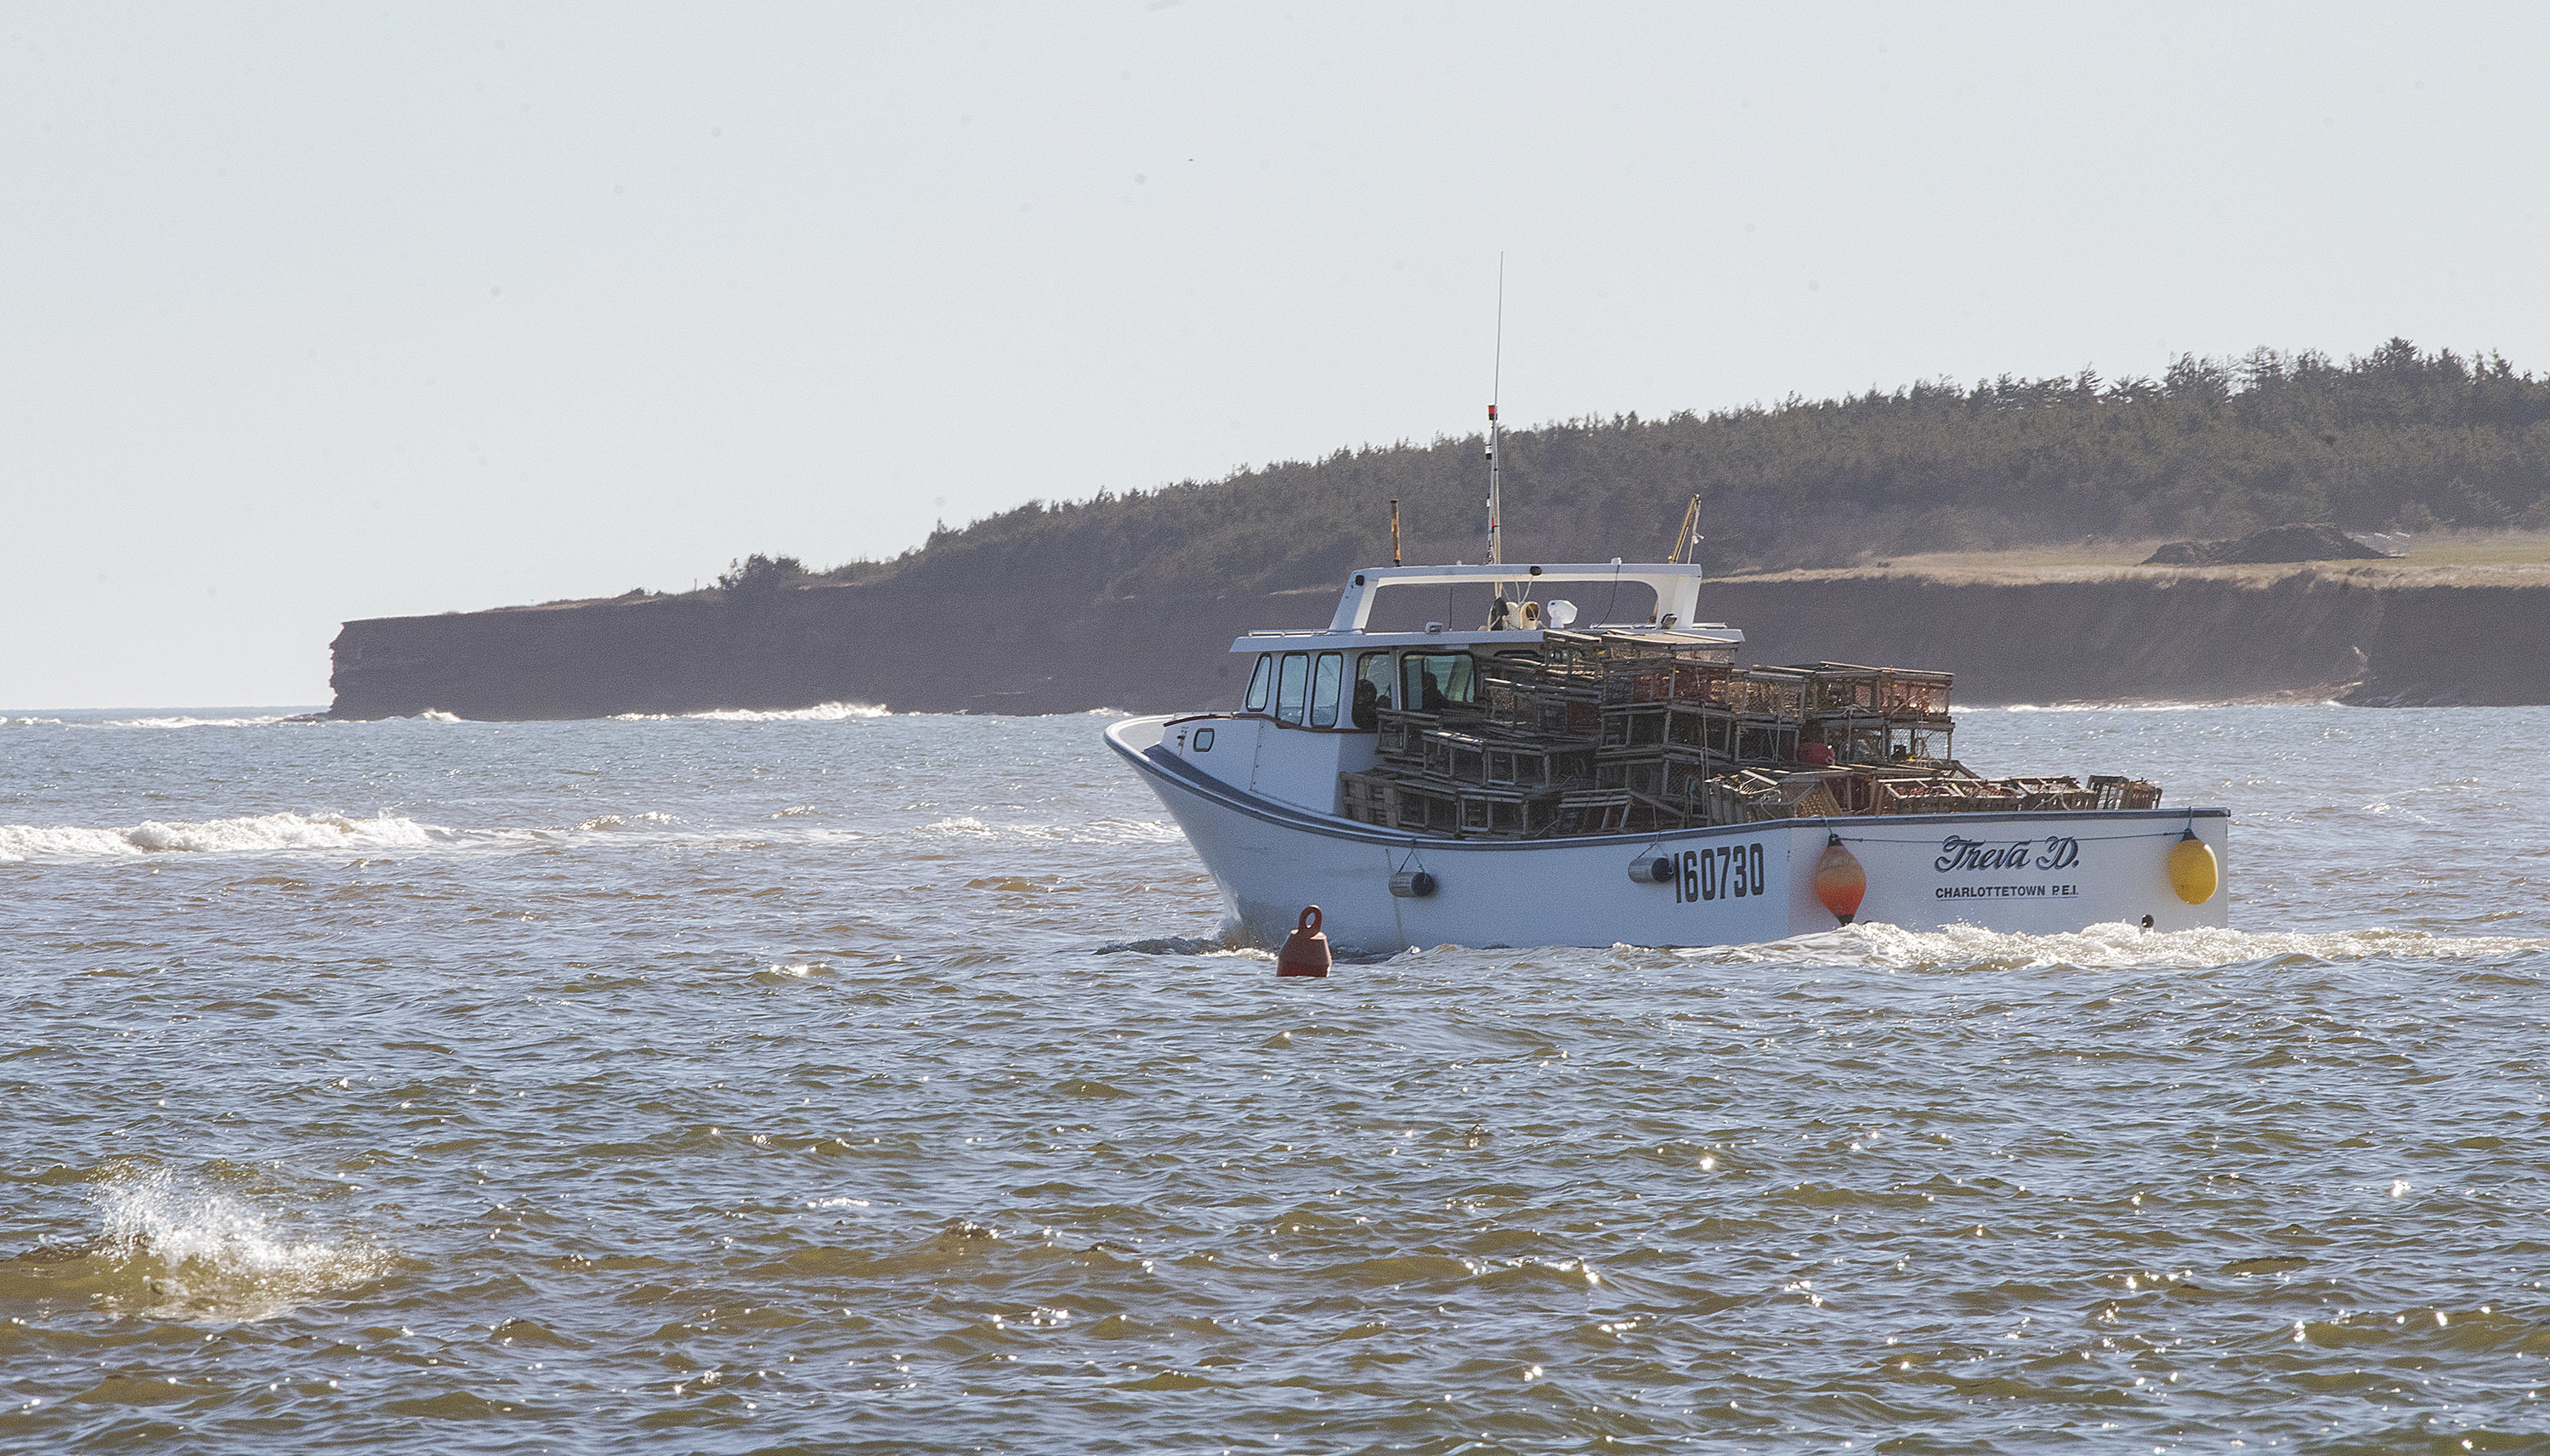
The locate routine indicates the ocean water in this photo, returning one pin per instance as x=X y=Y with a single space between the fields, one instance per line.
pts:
x=846 y=1082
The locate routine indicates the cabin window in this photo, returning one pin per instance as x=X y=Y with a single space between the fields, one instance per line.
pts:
x=1371 y=689
x=1327 y=677
x=1261 y=683
x=1203 y=740
x=1292 y=687
x=1434 y=681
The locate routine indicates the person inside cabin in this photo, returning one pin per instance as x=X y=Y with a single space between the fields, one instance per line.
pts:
x=1372 y=688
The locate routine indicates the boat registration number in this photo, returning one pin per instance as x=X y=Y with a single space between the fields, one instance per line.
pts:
x=1727 y=872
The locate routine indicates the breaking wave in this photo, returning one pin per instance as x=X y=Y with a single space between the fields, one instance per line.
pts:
x=1091 y=831
x=612 y=822
x=163 y=721
x=2147 y=706
x=2114 y=945
x=819 y=713
x=247 y=835
x=182 y=721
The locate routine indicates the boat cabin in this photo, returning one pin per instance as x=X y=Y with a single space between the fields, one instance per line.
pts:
x=1318 y=701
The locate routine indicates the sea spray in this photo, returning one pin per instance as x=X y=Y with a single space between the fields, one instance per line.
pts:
x=176 y=1249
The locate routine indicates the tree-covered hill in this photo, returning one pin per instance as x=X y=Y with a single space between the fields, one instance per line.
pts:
x=2397 y=439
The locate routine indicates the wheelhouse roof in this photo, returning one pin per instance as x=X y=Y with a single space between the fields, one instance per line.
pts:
x=1675 y=585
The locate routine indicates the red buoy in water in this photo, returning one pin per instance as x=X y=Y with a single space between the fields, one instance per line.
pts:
x=1306 y=951
x=1840 y=882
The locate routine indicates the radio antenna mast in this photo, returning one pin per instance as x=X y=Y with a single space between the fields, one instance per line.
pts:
x=1496 y=392
x=1496 y=496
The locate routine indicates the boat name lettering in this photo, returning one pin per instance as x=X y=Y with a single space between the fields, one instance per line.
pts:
x=1727 y=872
x=2057 y=852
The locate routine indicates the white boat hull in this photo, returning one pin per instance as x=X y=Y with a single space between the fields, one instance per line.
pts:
x=2039 y=872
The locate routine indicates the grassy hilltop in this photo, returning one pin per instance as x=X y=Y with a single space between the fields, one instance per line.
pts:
x=2398 y=439
x=1990 y=532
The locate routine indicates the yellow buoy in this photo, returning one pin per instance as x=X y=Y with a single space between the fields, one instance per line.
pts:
x=2193 y=870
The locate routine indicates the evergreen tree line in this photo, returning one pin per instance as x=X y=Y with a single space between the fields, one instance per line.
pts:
x=2397 y=439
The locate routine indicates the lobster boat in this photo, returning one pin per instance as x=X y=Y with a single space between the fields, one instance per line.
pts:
x=1536 y=782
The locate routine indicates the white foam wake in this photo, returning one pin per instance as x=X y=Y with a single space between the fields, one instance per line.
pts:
x=819 y=713
x=2110 y=946
x=1109 y=831
x=247 y=835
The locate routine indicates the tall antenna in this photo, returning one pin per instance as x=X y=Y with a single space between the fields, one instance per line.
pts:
x=1496 y=393
x=1394 y=533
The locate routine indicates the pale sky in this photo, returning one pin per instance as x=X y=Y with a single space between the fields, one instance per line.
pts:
x=310 y=313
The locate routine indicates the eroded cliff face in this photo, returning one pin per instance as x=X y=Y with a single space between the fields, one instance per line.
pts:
x=2167 y=640
x=922 y=648
x=915 y=650
x=2482 y=645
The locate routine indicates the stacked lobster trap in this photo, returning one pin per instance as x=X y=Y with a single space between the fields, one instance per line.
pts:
x=1604 y=733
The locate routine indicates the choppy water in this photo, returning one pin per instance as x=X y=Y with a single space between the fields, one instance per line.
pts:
x=767 y=1084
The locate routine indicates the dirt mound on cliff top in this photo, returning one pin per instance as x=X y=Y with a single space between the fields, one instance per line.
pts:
x=2275 y=543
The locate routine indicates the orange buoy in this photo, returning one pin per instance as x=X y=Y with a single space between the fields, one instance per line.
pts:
x=1306 y=951
x=2193 y=870
x=1840 y=882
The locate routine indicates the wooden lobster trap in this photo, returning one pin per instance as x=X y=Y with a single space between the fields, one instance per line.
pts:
x=1671 y=722
x=1499 y=761
x=2117 y=792
x=1368 y=797
x=1838 y=687
x=1666 y=680
x=1545 y=706
x=1590 y=811
x=1778 y=693
x=1910 y=692
x=1659 y=772
x=1942 y=796
x=1401 y=738
x=1855 y=736
x=1470 y=811
x=1806 y=794
x=2039 y=792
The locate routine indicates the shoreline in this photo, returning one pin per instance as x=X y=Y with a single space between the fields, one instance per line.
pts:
x=2366 y=634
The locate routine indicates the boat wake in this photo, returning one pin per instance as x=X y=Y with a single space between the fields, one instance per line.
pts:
x=2110 y=946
